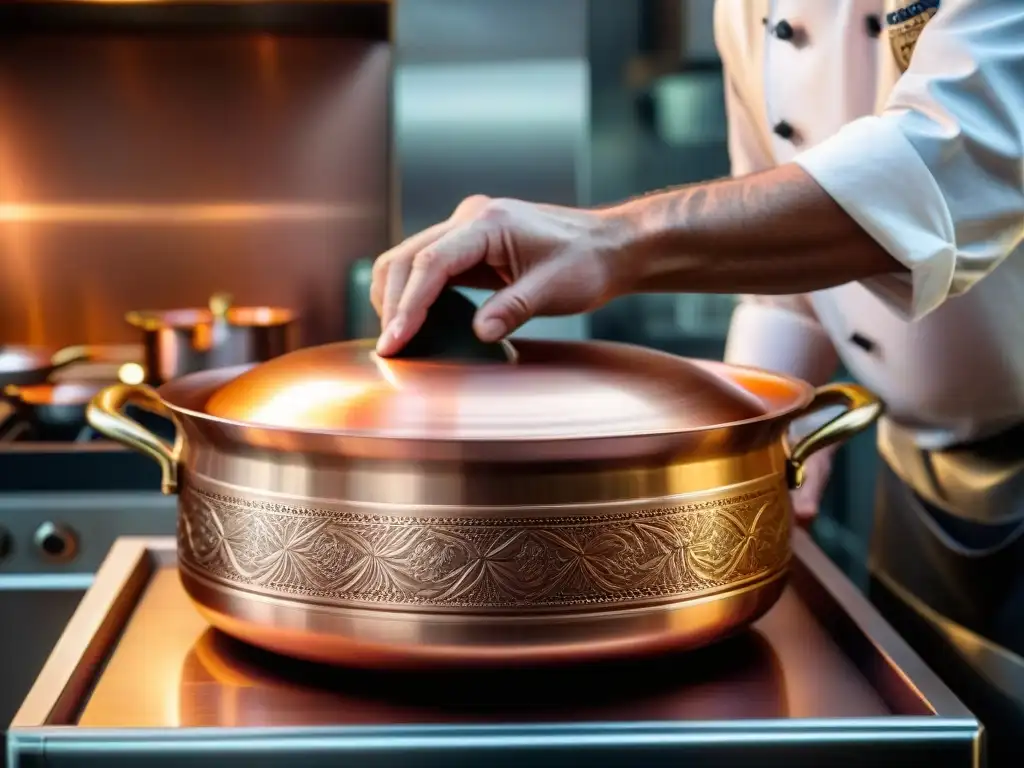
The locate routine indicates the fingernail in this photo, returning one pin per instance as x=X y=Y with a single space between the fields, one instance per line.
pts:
x=391 y=337
x=491 y=329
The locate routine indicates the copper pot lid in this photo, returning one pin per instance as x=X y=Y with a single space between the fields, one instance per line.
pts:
x=554 y=390
x=447 y=385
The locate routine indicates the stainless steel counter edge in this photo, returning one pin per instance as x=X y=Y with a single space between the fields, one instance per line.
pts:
x=889 y=742
x=43 y=731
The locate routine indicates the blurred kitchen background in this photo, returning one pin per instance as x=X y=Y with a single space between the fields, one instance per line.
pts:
x=151 y=155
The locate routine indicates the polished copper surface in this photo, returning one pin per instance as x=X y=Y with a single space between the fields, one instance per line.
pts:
x=553 y=390
x=170 y=670
x=189 y=399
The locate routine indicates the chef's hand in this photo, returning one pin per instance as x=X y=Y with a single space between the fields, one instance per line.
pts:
x=543 y=259
x=807 y=498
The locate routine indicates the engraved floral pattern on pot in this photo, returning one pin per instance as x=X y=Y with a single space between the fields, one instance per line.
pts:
x=436 y=556
x=531 y=559
x=595 y=563
x=347 y=557
x=330 y=554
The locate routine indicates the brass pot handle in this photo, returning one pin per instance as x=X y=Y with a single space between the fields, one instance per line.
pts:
x=105 y=413
x=862 y=410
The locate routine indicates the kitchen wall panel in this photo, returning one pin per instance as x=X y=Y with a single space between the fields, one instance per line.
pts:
x=147 y=171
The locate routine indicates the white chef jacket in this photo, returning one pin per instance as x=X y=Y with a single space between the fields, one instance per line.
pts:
x=930 y=163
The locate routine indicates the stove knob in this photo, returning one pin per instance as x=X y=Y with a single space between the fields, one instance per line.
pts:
x=6 y=543
x=56 y=542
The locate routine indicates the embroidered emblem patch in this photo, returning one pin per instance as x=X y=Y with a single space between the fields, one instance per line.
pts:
x=904 y=26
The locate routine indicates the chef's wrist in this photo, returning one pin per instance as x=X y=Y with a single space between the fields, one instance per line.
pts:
x=651 y=249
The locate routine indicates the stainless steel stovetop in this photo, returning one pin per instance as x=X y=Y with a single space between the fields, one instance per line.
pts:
x=138 y=676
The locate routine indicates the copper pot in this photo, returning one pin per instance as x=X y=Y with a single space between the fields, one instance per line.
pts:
x=181 y=341
x=590 y=500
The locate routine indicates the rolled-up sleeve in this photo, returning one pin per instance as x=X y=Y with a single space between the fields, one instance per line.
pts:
x=937 y=177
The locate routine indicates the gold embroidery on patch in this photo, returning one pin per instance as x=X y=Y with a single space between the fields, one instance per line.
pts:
x=903 y=35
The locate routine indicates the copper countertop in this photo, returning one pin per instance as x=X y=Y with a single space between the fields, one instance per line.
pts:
x=170 y=670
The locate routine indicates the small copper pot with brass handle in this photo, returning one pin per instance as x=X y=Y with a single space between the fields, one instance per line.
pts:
x=580 y=500
x=181 y=341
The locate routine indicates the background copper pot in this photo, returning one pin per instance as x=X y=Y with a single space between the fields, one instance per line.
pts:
x=181 y=341
x=590 y=500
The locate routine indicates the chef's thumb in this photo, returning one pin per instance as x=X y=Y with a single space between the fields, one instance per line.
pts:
x=512 y=306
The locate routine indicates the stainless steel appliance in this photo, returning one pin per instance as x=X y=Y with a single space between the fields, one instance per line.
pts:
x=139 y=676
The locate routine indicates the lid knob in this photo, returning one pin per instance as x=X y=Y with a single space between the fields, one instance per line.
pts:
x=447 y=334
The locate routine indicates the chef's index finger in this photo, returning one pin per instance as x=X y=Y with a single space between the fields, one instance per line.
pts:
x=398 y=277
x=432 y=268
x=404 y=251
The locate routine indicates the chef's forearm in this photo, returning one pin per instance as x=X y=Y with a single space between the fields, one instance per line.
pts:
x=770 y=233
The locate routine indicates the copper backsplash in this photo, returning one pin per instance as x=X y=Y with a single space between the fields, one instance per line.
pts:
x=149 y=171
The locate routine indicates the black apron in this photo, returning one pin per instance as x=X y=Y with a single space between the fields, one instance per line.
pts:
x=947 y=570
